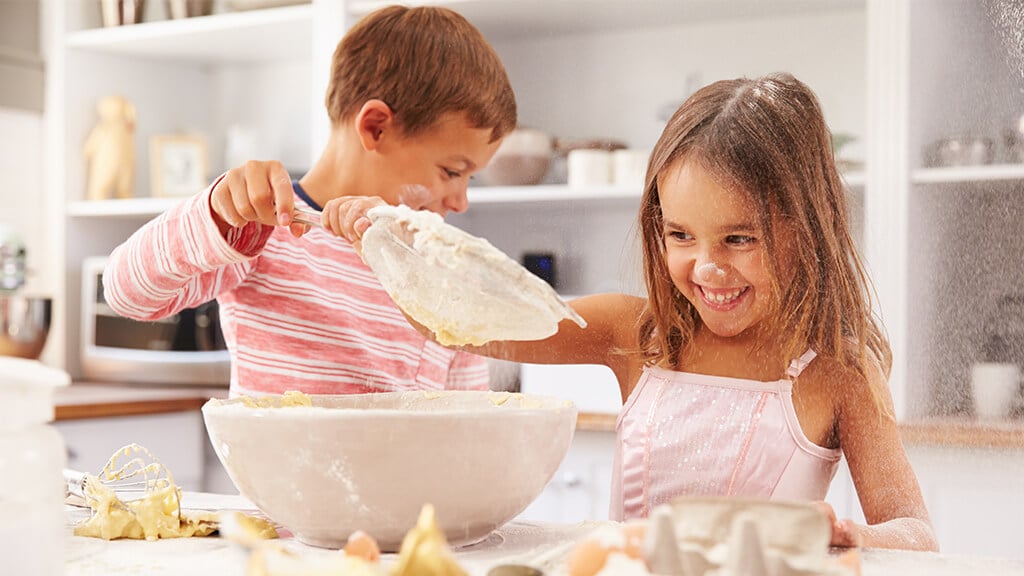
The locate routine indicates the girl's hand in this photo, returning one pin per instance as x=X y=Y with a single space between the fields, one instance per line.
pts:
x=254 y=192
x=346 y=216
x=845 y=533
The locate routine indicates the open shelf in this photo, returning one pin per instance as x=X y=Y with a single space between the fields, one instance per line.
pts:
x=510 y=18
x=251 y=36
x=150 y=207
x=122 y=208
x=987 y=173
x=550 y=193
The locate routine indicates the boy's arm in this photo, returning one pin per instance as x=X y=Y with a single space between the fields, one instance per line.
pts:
x=179 y=260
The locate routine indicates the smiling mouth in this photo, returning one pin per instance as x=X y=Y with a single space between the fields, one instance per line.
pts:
x=722 y=298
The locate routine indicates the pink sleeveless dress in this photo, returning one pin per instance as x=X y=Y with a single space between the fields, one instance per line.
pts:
x=681 y=433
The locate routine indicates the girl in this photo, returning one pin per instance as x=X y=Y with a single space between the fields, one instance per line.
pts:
x=755 y=362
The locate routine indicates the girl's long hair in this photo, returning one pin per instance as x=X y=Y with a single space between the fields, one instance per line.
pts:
x=767 y=137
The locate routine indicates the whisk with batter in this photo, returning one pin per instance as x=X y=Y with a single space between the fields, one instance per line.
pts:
x=141 y=473
x=155 y=513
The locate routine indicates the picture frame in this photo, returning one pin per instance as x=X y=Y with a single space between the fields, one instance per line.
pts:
x=179 y=165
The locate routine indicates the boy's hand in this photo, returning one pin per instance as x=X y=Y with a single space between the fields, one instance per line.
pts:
x=346 y=216
x=845 y=533
x=255 y=192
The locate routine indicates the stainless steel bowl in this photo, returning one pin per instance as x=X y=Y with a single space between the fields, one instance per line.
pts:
x=24 y=325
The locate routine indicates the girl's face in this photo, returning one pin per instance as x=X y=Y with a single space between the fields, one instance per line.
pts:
x=440 y=161
x=714 y=249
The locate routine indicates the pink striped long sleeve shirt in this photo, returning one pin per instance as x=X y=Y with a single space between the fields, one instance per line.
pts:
x=297 y=313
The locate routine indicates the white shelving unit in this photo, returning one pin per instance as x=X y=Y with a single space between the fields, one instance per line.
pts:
x=960 y=226
x=254 y=36
x=196 y=75
x=968 y=174
x=127 y=208
x=550 y=193
x=503 y=19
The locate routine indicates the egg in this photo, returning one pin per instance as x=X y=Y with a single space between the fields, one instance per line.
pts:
x=587 y=558
x=634 y=533
x=362 y=545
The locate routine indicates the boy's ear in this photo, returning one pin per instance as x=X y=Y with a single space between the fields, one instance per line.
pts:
x=373 y=120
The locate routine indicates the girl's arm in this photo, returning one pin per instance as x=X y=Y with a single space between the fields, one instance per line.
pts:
x=886 y=485
x=608 y=339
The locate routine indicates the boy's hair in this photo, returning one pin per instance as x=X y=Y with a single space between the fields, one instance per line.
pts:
x=768 y=138
x=422 y=62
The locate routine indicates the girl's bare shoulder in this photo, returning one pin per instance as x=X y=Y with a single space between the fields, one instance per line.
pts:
x=853 y=391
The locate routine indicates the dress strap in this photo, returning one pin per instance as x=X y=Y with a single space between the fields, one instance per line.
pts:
x=797 y=366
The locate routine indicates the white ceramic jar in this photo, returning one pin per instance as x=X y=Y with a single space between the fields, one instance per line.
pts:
x=629 y=167
x=589 y=168
x=32 y=458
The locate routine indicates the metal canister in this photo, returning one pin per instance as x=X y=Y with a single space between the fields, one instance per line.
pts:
x=12 y=260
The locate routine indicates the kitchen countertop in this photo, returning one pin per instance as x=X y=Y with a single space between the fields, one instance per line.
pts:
x=535 y=543
x=950 y=432
x=100 y=400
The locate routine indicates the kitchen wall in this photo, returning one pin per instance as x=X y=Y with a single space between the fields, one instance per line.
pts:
x=21 y=182
x=621 y=84
x=21 y=69
x=617 y=83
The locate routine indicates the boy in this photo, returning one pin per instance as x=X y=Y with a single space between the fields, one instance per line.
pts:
x=418 y=100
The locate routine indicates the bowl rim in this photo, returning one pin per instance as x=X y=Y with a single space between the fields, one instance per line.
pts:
x=552 y=405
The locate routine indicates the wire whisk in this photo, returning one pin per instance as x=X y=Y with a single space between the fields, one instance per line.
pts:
x=142 y=473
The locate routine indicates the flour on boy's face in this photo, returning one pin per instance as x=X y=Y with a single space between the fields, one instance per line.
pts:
x=714 y=249
x=439 y=162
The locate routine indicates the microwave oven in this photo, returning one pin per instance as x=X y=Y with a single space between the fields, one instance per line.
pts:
x=186 y=348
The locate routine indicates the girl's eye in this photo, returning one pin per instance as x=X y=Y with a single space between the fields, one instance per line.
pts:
x=679 y=236
x=451 y=173
x=739 y=240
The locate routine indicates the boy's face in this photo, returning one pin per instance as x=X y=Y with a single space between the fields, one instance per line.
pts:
x=715 y=249
x=440 y=160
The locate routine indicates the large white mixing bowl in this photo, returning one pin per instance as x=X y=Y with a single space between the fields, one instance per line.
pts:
x=370 y=461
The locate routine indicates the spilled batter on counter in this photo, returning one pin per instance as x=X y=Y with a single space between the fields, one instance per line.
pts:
x=157 y=514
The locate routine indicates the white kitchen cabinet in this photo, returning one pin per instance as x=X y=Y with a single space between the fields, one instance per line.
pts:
x=581 y=488
x=194 y=76
x=974 y=497
x=592 y=387
x=176 y=439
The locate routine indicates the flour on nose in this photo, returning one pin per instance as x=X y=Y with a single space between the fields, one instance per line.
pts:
x=710 y=270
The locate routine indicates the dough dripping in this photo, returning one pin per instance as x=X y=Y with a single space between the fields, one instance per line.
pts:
x=157 y=514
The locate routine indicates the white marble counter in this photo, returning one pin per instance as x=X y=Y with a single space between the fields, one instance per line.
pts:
x=541 y=545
